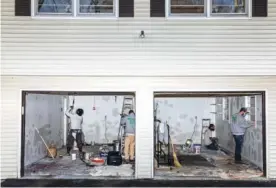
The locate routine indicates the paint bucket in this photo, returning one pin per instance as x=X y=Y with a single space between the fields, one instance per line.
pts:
x=103 y=154
x=116 y=145
x=197 y=148
x=74 y=156
x=87 y=156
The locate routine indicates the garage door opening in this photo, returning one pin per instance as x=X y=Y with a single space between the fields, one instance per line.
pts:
x=185 y=145
x=59 y=141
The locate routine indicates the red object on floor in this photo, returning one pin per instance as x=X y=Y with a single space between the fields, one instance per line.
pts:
x=97 y=160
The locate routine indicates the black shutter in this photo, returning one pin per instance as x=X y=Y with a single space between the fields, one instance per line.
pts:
x=259 y=8
x=157 y=8
x=126 y=8
x=22 y=7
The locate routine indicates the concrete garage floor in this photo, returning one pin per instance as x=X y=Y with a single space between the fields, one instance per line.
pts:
x=209 y=165
x=224 y=174
x=64 y=168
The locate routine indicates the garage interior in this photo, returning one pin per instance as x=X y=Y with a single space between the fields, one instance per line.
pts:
x=181 y=120
x=45 y=128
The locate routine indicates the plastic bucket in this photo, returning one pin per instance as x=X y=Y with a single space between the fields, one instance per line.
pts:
x=74 y=156
x=197 y=148
x=87 y=156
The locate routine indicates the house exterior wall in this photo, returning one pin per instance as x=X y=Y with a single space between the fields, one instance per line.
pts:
x=51 y=51
x=144 y=88
x=171 y=46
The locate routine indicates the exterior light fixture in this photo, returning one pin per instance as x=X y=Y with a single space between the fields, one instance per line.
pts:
x=142 y=34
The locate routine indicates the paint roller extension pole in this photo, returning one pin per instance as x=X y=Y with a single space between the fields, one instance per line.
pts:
x=73 y=104
x=44 y=142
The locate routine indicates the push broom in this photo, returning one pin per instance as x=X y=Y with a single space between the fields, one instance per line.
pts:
x=44 y=143
x=175 y=159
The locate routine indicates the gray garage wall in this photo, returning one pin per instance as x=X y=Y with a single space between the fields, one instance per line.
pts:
x=45 y=113
x=252 y=148
x=100 y=125
x=180 y=114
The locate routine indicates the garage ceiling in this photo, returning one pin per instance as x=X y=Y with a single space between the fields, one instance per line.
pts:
x=94 y=93
x=207 y=94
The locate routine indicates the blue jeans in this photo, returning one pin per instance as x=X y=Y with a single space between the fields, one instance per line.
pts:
x=238 y=149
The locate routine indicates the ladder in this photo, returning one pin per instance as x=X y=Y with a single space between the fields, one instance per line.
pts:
x=128 y=104
x=162 y=156
x=204 y=127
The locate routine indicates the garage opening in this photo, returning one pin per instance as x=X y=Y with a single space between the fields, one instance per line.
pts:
x=193 y=135
x=78 y=134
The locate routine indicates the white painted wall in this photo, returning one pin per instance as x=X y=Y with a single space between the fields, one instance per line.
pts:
x=180 y=114
x=45 y=113
x=94 y=120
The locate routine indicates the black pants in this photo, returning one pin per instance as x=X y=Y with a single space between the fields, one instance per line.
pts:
x=213 y=145
x=71 y=139
x=238 y=149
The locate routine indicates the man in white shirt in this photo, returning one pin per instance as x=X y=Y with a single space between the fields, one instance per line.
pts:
x=75 y=133
x=210 y=142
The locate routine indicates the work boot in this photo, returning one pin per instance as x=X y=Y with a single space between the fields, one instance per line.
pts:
x=80 y=149
x=126 y=161
x=81 y=155
x=131 y=161
x=68 y=150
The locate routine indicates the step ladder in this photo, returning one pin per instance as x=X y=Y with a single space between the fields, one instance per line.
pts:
x=128 y=104
x=205 y=126
x=162 y=151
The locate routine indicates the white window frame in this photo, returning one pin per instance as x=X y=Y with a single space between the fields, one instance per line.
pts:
x=225 y=100
x=75 y=12
x=208 y=12
x=247 y=105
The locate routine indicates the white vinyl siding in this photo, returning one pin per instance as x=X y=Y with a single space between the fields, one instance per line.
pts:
x=144 y=87
x=81 y=47
x=113 y=47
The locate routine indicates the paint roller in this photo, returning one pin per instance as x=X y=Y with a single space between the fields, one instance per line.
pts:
x=73 y=103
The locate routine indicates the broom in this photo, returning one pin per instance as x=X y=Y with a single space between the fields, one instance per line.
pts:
x=44 y=143
x=175 y=159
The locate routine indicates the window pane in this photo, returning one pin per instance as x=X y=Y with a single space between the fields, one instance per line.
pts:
x=54 y=6
x=252 y=101
x=228 y=6
x=96 y=6
x=187 y=6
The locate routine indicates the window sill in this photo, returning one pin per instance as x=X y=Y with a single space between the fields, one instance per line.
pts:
x=74 y=18
x=208 y=18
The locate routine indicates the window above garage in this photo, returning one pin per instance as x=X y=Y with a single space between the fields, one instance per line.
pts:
x=74 y=8
x=209 y=8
